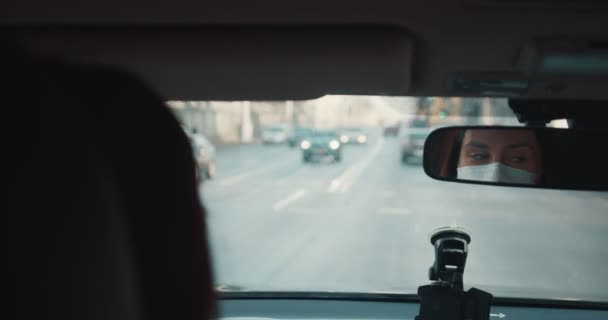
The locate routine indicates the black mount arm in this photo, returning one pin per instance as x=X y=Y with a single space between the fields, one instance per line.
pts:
x=445 y=298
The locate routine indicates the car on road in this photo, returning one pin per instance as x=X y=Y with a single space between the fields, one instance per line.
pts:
x=297 y=135
x=353 y=135
x=321 y=144
x=391 y=130
x=275 y=135
x=411 y=140
x=204 y=154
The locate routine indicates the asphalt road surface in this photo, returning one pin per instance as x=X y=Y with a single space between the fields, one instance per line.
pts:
x=362 y=225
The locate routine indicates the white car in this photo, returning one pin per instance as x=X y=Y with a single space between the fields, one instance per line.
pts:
x=275 y=135
x=353 y=136
x=204 y=154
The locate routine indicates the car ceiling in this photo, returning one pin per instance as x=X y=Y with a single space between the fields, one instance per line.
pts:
x=200 y=50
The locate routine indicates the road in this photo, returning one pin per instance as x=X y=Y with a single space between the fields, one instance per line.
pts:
x=362 y=225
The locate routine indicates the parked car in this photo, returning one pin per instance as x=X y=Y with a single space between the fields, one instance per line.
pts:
x=297 y=135
x=353 y=136
x=275 y=135
x=204 y=154
x=321 y=144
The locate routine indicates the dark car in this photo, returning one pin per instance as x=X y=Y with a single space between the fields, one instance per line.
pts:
x=412 y=138
x=353 y=136
x=321 y=144
x=392 y=130
x=298 y=135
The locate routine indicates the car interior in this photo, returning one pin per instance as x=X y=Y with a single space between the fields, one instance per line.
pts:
x=94 y=235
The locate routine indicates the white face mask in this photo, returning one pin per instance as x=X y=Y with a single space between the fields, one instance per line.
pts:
x=496 y=172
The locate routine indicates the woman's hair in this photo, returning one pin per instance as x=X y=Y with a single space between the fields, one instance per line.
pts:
x=454 y=154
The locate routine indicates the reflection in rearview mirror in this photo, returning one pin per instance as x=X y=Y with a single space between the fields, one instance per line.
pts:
x=519 y=156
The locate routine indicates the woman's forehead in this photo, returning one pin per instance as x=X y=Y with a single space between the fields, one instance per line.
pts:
x=499 y=136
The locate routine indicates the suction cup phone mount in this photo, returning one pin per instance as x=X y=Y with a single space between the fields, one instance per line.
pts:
x=445 y=299
x=451 y=249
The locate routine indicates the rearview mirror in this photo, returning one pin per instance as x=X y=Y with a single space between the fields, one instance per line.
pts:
x=519 y=156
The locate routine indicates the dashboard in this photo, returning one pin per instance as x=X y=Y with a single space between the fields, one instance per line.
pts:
x=325 y=309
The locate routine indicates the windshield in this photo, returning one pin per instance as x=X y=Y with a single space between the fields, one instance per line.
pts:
x=356 y=218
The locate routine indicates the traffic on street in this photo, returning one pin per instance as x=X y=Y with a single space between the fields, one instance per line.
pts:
x=362 y=225
x=331 y=195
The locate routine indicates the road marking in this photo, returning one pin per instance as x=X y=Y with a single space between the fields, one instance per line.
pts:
x=235 y=179
x=226 y=182
x=498 y=315
x=334 y=185
x=283 y=203
x=352 y=174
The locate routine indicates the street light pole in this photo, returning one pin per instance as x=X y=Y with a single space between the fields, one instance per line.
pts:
x=246 y=123
x=289 y=112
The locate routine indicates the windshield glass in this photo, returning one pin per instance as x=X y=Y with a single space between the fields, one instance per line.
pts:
x=356 y=217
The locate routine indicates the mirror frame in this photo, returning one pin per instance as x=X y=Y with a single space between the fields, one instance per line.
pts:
x=427 y=150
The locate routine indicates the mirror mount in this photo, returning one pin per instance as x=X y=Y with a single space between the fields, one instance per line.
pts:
x=537 y=113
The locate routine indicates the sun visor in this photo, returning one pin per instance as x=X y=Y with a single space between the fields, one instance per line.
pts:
x=578 y=57
x=260 y=63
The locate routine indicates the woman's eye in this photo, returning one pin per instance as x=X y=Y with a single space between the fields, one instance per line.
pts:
x=480 y=156
x=518 y=159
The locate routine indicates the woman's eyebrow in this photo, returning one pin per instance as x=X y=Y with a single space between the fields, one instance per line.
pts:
x=477 y=144
x=520 y=145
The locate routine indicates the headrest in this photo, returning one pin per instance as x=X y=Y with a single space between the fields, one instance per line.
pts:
x=107 y=219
